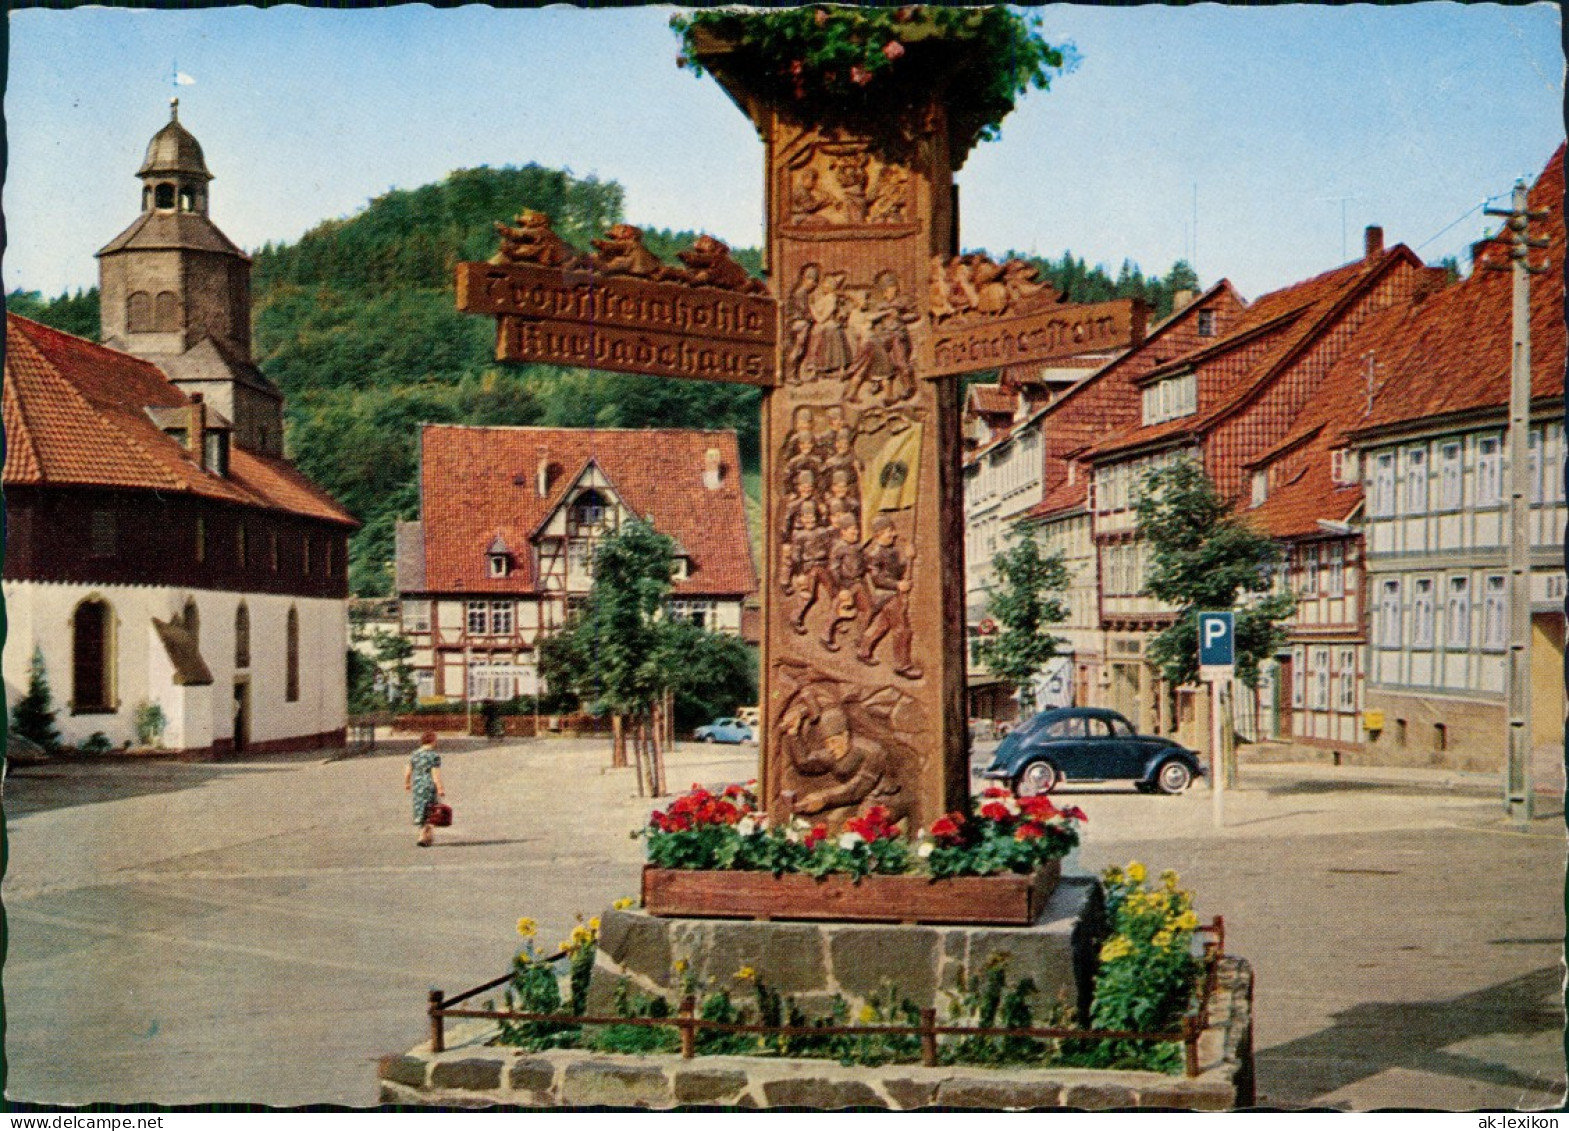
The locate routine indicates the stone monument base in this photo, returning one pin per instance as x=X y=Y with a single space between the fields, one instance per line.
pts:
x=814 y=961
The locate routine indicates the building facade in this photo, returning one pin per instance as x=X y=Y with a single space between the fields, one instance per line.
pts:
x=502 y=552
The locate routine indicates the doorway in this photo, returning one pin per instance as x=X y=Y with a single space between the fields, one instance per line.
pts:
x=242 y=714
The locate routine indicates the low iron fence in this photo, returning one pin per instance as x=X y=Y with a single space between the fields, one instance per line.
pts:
x=688 y=1024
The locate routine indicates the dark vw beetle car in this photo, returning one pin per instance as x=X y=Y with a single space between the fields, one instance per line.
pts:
x=1089 y=744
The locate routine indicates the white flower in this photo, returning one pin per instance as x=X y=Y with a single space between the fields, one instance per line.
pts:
x=849 y=841
x=793 y=835
x=746 y=826
x=926 y=849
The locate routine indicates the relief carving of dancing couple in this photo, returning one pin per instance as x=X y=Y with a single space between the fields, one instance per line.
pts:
x=859 y=334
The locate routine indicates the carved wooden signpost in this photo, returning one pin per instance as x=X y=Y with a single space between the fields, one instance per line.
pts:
x=864 y=640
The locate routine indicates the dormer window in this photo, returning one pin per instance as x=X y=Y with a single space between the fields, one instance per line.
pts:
x=500 y=566
x=498 y=557
x=588 y=510
x=1171 y=398
x=1207 y=325
x=1260 y=487
x=216 y=454
x=682 y=569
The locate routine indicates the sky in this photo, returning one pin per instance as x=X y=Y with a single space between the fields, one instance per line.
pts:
x=1256 y=142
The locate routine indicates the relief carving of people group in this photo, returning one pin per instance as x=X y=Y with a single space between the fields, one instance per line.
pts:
x=845 y=748
x=530 y=239
x=856 y=334
x=841 y=184
x=845 y=559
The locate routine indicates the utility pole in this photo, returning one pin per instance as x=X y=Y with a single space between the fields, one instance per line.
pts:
x=1517 y=778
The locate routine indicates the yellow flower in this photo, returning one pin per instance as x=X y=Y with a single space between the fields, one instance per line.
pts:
x=1114 y=875
x=1115 y=948
x=527 y=927
x=681 y=965
x=867 y=1015
x=1135 y=872
x=593 y=924
x=1187 y=921
x=746 y=974
x=1162 y=939
x=581 y=936
x=1169 y=878
x=623 y=903
x=564 y=944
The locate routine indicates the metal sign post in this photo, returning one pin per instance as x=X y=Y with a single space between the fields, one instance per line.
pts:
x=1217 y=659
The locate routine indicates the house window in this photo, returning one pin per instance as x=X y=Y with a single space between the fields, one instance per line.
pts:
x=305 y=553
x=166 y=312
x=1343 y=466
x=1495 y=613
x=425 y=684
x=1534 y=463
x=1457 y=632
x=1260 y=487
x=478 y=617
x=1416 y=480
x=327 y=552
x=1449 y=476
x=291 y=657
x=1422 y=613
x=416 y=616
x=1310 y=572
x=1489 y=472
x=1346 y=701
x=101 y=534
x=215 y=452
x=242 y=547
x=1321 y=679
x=163 y=196
x=1384 y=485
x=1337 y=570
x=201 y=539
x=1389 y=613
x=501 y=619
x=1299 y=677
x=139 y=312
x=498 y=565
x=92 y=658
x=589 y=509
x=1206 y=323
x=272 y=550
x=242 y=637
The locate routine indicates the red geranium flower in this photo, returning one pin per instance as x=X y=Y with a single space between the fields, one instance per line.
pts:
x=997 y=791
x=816 y=835
x=893 y=49
x=995 y=811
x=951 y=825
x=1075 y=813
x=1038 y=806
x=1028 y=831
x=859 y=75
x=875 y=824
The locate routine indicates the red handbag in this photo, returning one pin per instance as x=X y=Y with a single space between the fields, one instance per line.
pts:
x=439 y=814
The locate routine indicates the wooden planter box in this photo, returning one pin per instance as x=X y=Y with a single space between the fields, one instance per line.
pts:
x=1007 y=900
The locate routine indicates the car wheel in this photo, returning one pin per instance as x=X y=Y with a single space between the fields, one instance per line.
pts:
x=1035 y=779
x=1173 y=777
x=708 y=738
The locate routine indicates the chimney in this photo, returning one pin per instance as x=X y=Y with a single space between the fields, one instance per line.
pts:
x=1373 y=242
x=196 y=431
x=1181 y=300
x=542 y=483
x=712 y=469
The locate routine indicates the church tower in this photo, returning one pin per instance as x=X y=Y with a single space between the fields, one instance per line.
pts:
x=176 y=291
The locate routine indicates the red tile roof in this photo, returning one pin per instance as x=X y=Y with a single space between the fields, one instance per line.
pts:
x=990 y=399
x=1452 y=354
x=1444 y=352
x=76 y=415
x=476 y=483
x=1275 y=330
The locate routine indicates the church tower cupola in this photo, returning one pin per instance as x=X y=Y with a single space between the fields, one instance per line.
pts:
x=174 y=174
x=176 y=291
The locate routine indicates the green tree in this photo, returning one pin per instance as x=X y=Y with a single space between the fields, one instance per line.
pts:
x=1029 y=600
x=75 y=314
x=711 y=673
x=1204 y=557
x=33 y=715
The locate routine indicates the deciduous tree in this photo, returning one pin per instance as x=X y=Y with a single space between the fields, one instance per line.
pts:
x=1205 y=557
x=1029 y=600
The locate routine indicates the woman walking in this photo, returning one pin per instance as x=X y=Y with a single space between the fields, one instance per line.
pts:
x=422 y=777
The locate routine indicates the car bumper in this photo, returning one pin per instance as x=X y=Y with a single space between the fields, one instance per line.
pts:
x=996 y=773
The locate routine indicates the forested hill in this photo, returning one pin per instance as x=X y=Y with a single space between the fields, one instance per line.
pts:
x=357 y=323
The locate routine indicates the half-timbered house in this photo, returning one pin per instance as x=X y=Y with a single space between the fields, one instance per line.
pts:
x=503 y=550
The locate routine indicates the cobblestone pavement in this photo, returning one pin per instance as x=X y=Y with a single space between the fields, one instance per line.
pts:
x=264 y=931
